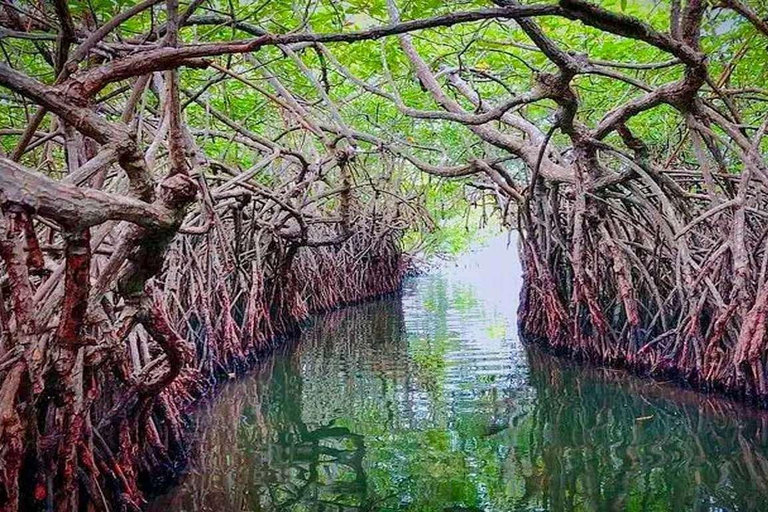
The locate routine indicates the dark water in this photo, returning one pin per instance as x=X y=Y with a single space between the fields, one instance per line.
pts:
x=431 y=403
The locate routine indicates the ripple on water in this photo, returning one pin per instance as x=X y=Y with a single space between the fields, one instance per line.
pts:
x=430 y=402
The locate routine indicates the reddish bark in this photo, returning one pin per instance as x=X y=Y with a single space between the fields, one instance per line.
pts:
x=35 y=259
x=619 y=250
x=11 y=251
x=177 y=352
x=77 y=286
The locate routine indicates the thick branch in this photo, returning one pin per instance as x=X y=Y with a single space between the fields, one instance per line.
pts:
x=73 y=206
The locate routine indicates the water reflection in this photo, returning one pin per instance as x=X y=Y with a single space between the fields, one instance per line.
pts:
x=602 y=441
x=430 y=403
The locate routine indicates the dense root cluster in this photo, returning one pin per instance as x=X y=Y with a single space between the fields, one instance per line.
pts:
x=205 y=317
x=667 y=282
x=154 y=233
x=636 y=255
x=138 y=270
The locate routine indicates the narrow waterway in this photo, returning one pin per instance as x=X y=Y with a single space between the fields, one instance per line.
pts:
x=430 y=402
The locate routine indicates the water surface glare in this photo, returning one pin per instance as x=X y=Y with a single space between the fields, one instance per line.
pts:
x=430 y=402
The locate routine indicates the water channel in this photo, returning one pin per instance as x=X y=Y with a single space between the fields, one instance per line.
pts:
x=429 y=401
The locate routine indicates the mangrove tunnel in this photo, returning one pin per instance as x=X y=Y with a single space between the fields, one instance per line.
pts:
x=184 y=185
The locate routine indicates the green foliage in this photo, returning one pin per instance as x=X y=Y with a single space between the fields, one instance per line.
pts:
x=496 y=57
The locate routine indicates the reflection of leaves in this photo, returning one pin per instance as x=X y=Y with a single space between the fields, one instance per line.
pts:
x=487 y=379
x=497 y=331
x=429 y=359
x=464 y=299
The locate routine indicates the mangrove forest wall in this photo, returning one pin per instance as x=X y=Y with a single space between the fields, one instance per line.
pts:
x=182 y=182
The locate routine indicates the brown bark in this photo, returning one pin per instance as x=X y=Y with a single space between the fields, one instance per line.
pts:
x=627 y=260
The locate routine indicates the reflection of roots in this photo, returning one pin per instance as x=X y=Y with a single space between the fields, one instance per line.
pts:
x=606 y=439
x=255 y=449
x=105 y=421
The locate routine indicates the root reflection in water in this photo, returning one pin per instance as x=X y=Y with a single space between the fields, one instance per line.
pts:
x=431 y=403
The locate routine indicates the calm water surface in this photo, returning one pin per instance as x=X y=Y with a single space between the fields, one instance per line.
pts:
x=430 y=402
